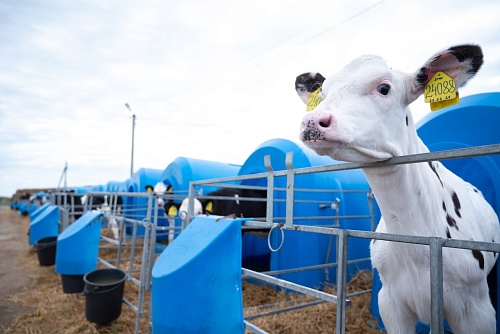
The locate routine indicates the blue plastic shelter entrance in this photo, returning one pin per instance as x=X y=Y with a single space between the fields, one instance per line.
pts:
x=307 y=249
x=180 y=172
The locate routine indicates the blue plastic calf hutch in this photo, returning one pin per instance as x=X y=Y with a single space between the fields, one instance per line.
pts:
x=23 y=208
x=112 y=186
x=473 y=122
x=31 y=209
x=77 y=250
x=46 y=224
x=123 y=187
x=183 y=170
x=180 y=172
x=98 y=188
x=39 y=211
x=196 y=285
x=136 y=207
x=307 y=249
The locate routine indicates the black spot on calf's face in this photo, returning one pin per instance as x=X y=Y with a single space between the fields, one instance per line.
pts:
x=308 y=82
x=311 y=133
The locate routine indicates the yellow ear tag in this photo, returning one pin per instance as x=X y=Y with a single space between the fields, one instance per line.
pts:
x=209 y=207
x=172 y=211
x=441 y=92
x=314 y=100
x=170 y=189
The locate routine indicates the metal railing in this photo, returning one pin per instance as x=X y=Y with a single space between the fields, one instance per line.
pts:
x=289 y=222
x=436 y=244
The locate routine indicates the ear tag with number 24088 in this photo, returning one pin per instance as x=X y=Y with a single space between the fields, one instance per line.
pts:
x=314 y=100
x=441 y=92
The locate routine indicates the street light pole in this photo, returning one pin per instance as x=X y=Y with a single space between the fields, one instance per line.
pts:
x=133 y=129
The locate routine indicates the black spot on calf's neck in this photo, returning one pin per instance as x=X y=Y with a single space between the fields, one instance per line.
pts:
x=435 y=172
x=456 y=203
x=479 y=257
x=451 y=222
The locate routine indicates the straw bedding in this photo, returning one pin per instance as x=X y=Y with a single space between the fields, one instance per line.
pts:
x=46 y=309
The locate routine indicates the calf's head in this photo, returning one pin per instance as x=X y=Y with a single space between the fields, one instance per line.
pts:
x=364 y=115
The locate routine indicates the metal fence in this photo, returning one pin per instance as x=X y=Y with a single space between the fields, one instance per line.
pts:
x=341 y=301
x=129 y=250
x=274 y=224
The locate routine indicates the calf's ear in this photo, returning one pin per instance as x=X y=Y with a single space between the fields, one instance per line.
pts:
x=308 y=83
x=459 y=62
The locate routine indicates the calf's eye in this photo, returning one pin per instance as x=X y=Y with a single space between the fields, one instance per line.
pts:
x=383 y=89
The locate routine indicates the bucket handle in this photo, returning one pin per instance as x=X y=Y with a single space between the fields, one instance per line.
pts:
x=86 y=292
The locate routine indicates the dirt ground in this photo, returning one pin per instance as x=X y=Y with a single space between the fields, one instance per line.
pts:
x=14 y=277
x=32 y=301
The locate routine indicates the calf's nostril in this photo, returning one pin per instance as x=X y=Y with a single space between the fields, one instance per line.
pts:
x=325 y=121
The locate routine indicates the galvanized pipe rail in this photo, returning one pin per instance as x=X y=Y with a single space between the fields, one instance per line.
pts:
x=146 y=259
x=435 y=243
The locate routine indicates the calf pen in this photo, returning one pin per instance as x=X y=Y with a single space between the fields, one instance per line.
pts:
x=344 y=236
x=139 y=266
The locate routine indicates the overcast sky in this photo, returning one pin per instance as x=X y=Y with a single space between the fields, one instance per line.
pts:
x=206 y=79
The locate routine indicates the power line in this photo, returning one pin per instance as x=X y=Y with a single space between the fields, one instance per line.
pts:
x=204 y=85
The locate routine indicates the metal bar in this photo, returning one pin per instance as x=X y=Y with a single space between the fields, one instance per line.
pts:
x=309 y=268
x=270 y=190
x=332 y=238
x=105 y=263
x=295 y=287
x=254 y=329
x=407 y=159
x=341 y=280
x=190 y=212
x=129 y=304
x=284 y=309
x=290 y=184
x=436 y=277
x=144 y=275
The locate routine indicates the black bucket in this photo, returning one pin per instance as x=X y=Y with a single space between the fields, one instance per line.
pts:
x=103 y=295
x=72 y=283
x=46 y=250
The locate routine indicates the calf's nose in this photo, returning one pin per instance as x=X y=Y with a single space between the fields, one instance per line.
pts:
x=313 y=126
x=317 y=121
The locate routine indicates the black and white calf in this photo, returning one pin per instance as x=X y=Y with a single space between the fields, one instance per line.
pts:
x=308 y=83
x=101 y=202
x=364 y=117
x=235 y=202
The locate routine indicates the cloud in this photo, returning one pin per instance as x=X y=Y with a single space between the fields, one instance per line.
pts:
x=205 y=80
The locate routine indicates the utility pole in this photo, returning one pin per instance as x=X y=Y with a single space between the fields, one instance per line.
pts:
x=133 y=129
x=63 y=176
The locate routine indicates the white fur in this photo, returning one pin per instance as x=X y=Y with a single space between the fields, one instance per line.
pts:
x=357 y=123
x=183 y=209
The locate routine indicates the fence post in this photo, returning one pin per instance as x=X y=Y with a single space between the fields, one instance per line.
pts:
x=270 y=190
x=341 y=280
x=436 y=277
x=290 y=185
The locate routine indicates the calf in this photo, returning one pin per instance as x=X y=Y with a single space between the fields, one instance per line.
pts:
x=364 y=117
x=234 y=203
x=100 y=202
